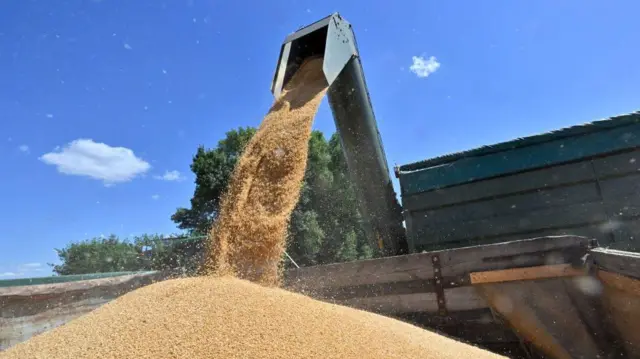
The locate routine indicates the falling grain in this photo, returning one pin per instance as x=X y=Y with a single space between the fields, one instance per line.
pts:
x=248 y=239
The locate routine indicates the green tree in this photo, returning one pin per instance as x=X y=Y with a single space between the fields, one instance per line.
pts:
x=306 y=230
x=213 y=169
x=98 y=255
x=145 y=252
x=305 y=237
x=346 y=239
x=169 y=253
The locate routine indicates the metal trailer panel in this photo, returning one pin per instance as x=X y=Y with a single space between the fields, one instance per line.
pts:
x=584 y=185
x=27 y=310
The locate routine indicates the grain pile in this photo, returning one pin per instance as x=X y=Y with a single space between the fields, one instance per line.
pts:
x=217 y=316
x=225 y=318
x=248 y=240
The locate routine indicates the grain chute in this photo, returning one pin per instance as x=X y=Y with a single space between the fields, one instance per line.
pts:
x=333 y=38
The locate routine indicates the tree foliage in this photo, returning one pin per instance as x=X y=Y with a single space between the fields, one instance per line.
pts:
x=112 y=254
x=97 y=255
x=169 y=253
x=213 y=170
x=325 y=226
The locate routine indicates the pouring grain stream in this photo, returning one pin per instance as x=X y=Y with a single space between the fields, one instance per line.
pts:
x=249 y=237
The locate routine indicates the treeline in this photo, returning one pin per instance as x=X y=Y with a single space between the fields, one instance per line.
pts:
x=325 y=226
x=113 y=254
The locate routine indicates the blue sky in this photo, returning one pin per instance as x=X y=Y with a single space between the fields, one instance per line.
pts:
x=103 y=103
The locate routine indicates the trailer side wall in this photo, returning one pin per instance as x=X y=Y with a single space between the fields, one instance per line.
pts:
x=589 y=186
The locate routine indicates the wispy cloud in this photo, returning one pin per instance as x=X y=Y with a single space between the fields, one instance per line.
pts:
x=155 y=197
x=127 y=46
x=170 y=176
x=24 y=149
x=84 y=157
x=32 y=265
x=424 y=67
x=22 y=270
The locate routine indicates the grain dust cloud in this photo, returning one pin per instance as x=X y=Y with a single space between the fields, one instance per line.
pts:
x=237 y=311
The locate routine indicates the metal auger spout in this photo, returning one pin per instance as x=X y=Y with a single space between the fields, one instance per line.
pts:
x=333 y=38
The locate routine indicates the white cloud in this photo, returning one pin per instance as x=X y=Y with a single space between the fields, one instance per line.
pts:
x=424 y=67
x=170 y=176
x=127 y=46
x=84 y=157
x=49 y=115
x=155 y=197
x=24 y=148
x=7 y=274
x=32 y=265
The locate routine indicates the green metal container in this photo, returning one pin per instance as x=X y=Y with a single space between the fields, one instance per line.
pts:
x=579 y=180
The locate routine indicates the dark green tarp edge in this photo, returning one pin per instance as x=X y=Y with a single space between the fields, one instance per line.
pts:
x=621 y=134
x=65 y=278
x=617 y=121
